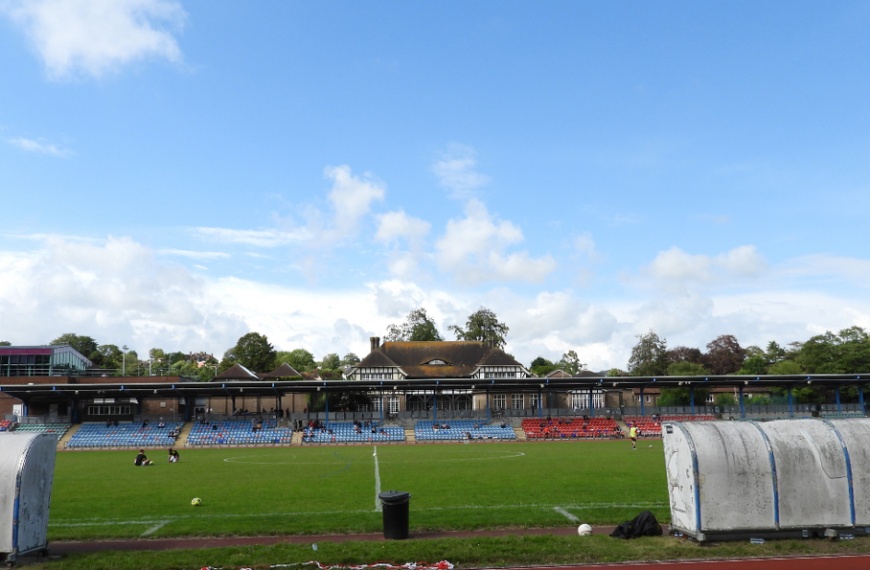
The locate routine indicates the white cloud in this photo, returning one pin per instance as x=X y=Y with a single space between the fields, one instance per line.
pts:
x=95 y=37
x=30 y=145
x=394 y=226
x=676 y=270
x=474 y=249
x=585 y=245
x=744 y=261
x=256 y=238
x=456 y=171
x=351 y=198
x=121 y=292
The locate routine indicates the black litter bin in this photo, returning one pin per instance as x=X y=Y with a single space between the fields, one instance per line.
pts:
x=395 y=506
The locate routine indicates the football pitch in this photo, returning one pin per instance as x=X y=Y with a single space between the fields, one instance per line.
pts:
x=334 y=489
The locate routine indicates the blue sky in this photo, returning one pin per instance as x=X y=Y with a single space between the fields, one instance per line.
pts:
x=175 y=174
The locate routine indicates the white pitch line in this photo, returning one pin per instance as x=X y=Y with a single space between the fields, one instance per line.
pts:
x=566 y=514
x=377 y=479
x=155 y=528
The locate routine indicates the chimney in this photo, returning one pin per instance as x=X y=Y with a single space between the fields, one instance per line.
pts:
x=375 y=342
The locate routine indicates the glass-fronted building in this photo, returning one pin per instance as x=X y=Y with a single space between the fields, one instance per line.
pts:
x=60 y=360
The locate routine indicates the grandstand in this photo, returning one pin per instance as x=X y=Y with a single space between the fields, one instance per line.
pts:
x=57 y=429
x=462 y=430
x=238 y=432
x=570 y=428
x=93 y=435
x=350 y=432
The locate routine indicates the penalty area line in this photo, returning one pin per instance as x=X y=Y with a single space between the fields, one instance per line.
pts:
x=566 y=514
x=155 y=528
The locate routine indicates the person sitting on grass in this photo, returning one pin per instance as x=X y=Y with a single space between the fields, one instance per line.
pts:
x=173 y=455
x=141 y=459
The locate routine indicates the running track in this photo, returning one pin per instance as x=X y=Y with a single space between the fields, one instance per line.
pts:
x=861 y=562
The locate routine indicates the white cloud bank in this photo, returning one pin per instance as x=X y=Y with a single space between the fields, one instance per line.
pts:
x=96 y=37
x=121 y=292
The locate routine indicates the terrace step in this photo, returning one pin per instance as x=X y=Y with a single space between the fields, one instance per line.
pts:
x=521 y=435
x=67 y=436
x=410 y=436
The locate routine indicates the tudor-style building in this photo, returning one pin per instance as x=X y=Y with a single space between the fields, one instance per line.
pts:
x=440 y=359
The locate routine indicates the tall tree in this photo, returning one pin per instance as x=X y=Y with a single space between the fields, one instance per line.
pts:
x=685 y=354
x=418 y=326
x=85 y=345
x=724 y=355
x=253 y=351
x=331 y=362
x=483 y=325
x=571 y=364
x=349 y=359
x=299 y=358
x=541 y=366
x=649 y=356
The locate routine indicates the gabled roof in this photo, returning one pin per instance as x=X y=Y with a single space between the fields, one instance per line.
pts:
x=437 y=359
x=236 y=372
x=283 y=371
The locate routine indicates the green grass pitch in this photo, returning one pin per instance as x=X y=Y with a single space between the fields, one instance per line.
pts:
x=333 y=489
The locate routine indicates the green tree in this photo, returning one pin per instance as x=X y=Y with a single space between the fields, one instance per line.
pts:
x=571 y=364
x=682 y=396
x=649 y=356
x=331 y=362
x=483 y=325
x=686 y=369
x=85 y=345
x=418 y=326
x=349 y=359
x=299 y=358
x=755 y=364
x=541 y=366
x=253 y=351
x=723 y=399
x=111 y=357
x=784 y=367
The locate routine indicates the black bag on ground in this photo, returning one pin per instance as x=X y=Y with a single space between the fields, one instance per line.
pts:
x=644 y=524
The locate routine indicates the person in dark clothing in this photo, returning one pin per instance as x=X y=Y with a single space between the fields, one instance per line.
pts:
x=141 y=459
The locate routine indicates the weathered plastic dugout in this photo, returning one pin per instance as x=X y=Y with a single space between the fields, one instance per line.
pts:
x=784 y=478
x=26 y=477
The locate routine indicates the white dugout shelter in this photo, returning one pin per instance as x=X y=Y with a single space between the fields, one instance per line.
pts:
x=738 y=479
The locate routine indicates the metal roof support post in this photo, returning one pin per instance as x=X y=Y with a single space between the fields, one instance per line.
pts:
x=488 y=410
x=692 y=398
x=642 y=414
x=740 y=402
x=591 y=404
x=837 y=399
x=326 y=407
x=790 y=402
x=188 y=407
x=434 y=406
x=540 y=403
x=861 y=397
x=382 y=405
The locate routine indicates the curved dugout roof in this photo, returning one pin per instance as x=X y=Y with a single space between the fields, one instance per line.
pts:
x=31 y=393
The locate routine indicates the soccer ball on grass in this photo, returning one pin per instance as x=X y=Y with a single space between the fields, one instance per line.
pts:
x=196 y=501
x=584 y=530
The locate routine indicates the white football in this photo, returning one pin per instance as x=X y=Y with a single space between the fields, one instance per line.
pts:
x=584 y=530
